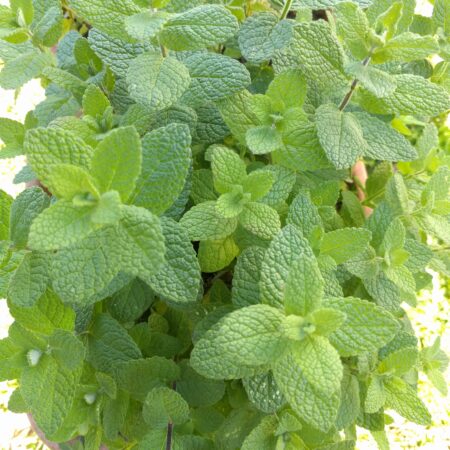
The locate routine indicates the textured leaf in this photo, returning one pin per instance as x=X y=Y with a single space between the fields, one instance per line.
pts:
x=304 y=214
x=18 y=71
x=402 y=398
x=320 y=363
x=304 y=287
x=246 y=279
x=109 y=345
x=60 y=226
x=367 y=327
x=228 y=169
x=200 y=27
x=49 y=391
x=116 y=163
x=288 y=89
x=314 y=48
x=156 y=82
x=263 y=436
x=242 y=339
x=141 y=242
x=376 y=81
x=261 y=220
x=213 y=77
x=203 y=222
x=285 y=248
x=164 y=405
x=47 y=147
x=345 y=243
x=216 y=255
x=25 y=208
x=45 y=316
x=414 y=96
x=263 y=139
x=107 y=16
x=406 y=47
x=261 y=34
x=146 y=25
x=315 y=408
x=263 y=392
x=67 y=349
x=166 y=158
x=340 y=135
x=178 y=279
x=383 y=142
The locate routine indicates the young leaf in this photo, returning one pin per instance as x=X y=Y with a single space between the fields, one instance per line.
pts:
x=228 y=169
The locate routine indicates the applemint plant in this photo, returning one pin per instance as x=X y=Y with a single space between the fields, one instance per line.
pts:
x=202 y=262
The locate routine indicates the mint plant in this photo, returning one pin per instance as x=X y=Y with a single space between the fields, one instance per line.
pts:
x=201 y=261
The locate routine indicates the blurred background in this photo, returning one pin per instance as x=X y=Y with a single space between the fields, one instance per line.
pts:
x=430 y=319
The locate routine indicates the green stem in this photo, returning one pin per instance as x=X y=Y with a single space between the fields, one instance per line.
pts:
x=286 y=9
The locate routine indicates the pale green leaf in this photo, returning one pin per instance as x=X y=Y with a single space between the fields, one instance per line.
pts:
x=260 y=220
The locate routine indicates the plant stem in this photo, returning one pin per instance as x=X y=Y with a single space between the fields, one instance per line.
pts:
x=350 y=93
x=286 y=8
x=169 y=436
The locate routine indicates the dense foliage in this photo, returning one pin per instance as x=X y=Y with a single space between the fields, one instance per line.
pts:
x=202 y=263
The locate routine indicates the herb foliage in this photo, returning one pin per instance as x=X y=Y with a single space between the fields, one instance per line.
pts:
x=202 y=265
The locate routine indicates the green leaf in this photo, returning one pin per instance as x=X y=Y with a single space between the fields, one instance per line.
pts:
x=231 y=204
x=399 y=362
x=340 y=135
x=47 y=147
x=156 y=82
x=216 y=255
x=383 y=142
x=213 y=77
x=67 y=349
x=246 y=338
x=141 y=242
x=166 y=159
x=94 y=102
x=108 y=210
x=320 y=363
x=85 y=268
x=109 y=345
x=246 y=278
x=261 y=35
x=140 y=376
x=367 y=328
x=260 y=182
x=288 y=89
x=203 y=223
x=315 y=49
x=285 y=248
x=260 y=219
x=107 y=16
x=304 y=287
x=30 y=280
x=25 y=208
x=414 y=96
x=345 y=243
x=327 y=320
x=263 y=436
x=146 y=25
x=116 y=162
x=11 y=131
x=16 y=72
x=178 y=279
x=199 y=27
x=353 y=26
x=69 y=181
x=66 y=81
x=164 y=405
x=228 y=169
x=402 y=398
x=376 y=395
x=49 y=391
x=376 y=81
x=314 y=407
x=45 y=316
x=263 y=139
x=197 y=390
x=49 y=28
x=68 y=224
x=304 y=214
x=263 y=392
x=406 y=47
